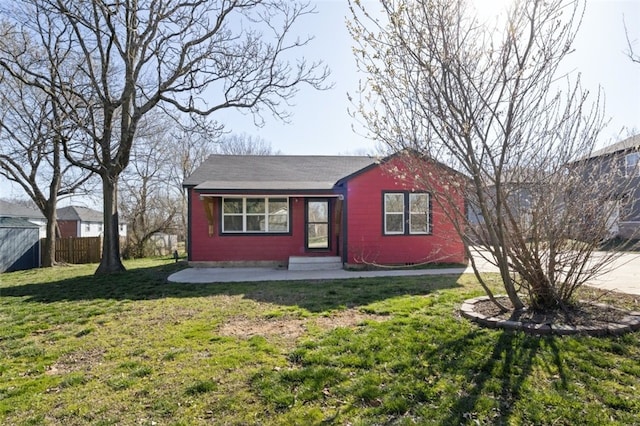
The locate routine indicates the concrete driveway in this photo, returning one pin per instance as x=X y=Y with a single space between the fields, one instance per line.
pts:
x=623 y=276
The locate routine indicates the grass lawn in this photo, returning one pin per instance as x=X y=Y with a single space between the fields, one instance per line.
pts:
x=132 y=349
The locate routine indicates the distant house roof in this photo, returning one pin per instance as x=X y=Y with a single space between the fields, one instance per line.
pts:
x=277 y=172
x=16 y=222
x=78 y=213
x=630 y=143
x=16 y=210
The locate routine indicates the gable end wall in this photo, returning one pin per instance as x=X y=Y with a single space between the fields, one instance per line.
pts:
x=366 y=243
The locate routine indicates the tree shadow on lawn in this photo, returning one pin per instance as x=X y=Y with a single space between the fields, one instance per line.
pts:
x=471 y=376
x=151 y=283
x=494 y=378
x=500 y=376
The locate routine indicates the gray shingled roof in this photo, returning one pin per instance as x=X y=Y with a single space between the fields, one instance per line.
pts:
x=82 y=214
x=16 y=210
x=629 y=143
x=277 y=172
x=16 y=222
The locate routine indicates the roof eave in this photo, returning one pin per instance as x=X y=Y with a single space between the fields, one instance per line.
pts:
x=262 y=191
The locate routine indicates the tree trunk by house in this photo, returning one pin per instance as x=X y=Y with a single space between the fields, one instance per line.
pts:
x=49 y=246
x=110 y=261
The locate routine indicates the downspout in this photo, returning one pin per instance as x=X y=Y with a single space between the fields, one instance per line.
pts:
x=189 y=221
x=344 y=226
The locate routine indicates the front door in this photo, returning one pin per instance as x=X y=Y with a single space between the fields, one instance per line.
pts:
x=318 y=224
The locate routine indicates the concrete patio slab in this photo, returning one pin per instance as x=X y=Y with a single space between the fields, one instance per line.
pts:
x=220 y=275
x=623 y=276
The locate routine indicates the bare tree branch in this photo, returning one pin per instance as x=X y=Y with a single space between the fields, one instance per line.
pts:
x=114 y=63
x=244 y=144
x=485 y=99
x=631 y=51
x=32 y=134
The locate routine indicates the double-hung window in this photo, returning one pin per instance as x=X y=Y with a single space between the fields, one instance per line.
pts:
x=419 y=214
x=632 y=164
x=255 y=215
x=394 y=213
x=406 y=213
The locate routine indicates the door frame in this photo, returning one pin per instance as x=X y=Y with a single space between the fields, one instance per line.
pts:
x=328 y=223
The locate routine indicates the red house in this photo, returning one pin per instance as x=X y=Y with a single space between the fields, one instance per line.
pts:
x=272 y=210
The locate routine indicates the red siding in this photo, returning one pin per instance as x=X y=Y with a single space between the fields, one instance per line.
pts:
x=68 y=228
x=248 y=247
x=366 y=240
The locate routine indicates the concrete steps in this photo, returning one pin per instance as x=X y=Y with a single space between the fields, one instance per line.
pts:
x=325 y=263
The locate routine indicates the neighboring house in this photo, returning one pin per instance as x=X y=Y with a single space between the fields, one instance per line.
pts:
x=277 y=209
x=623 y=159
x=76 y=221
x=520 y=190
x=21 y=212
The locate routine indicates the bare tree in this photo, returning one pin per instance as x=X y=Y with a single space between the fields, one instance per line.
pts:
x=197 y=57
x=485 y=98
x=631 y=51
x=191 y=143
x=32 y=132
x=151 y=196
x=148 y=201
x=244 y=144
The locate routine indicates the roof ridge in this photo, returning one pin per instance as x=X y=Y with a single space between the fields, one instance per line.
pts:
x=311 y=169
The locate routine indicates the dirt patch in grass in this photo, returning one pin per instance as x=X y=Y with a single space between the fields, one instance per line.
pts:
x=76 y=361
x=293 y=327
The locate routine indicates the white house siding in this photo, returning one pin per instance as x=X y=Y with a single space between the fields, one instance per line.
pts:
x=42 y=227
x=96 y=229
x=90 y=229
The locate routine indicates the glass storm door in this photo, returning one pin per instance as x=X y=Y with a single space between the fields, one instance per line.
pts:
x=317 y=224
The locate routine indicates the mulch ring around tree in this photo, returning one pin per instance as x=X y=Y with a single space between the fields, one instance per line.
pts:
x=586 y=318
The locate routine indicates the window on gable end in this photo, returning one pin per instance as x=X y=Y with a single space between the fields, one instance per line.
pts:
x=632 y=164
x=419 y=214
x=412 y=209
x=394 y=213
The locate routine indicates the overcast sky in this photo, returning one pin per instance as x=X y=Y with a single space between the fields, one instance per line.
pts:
x=320 y=123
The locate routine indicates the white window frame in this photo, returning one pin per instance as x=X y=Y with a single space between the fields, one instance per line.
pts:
x=244 y=216
x=406 y=213
x=631 y=170
x=411 y=213
x=394 y=213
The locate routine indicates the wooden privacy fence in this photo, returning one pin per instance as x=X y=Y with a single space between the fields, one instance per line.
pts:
x=78 y=250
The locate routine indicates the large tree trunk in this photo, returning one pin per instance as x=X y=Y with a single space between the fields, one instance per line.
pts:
x=110 y=262
x=49 y=246
x=49 y=209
